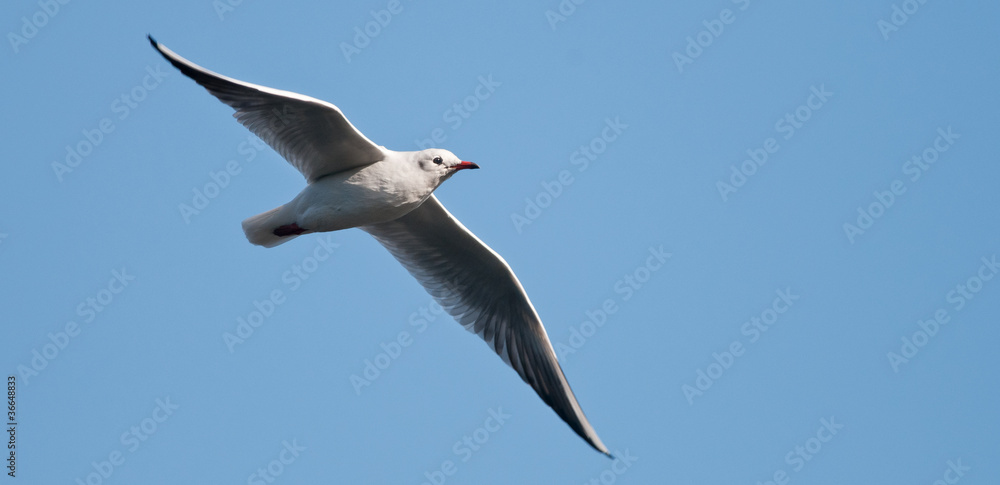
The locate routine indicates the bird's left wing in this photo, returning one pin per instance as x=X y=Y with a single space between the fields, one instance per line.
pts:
x=313 y=135
x=477 y=287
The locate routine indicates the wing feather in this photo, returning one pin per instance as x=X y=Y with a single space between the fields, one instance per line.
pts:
x=477 y=287
x=313 y=135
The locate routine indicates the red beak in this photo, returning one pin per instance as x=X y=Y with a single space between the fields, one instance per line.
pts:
x=464 y=165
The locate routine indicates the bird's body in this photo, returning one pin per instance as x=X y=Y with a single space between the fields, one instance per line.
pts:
x=378 y=192
x=352 y=182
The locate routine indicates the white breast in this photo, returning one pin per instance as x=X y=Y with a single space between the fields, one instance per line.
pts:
x=375 y=193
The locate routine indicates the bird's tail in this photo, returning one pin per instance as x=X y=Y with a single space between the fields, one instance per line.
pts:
x=260 y=229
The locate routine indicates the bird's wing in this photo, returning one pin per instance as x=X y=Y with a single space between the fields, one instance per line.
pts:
x=313 y=135
x=477 y=287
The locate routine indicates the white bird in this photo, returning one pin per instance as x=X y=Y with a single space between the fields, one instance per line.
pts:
x=353 y=182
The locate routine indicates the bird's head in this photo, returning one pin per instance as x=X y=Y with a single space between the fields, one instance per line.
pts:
x=440 y=164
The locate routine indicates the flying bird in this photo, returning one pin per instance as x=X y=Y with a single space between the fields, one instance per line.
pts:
x=352 y=182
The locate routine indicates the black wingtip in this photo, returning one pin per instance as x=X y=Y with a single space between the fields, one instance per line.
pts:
x=159 y=48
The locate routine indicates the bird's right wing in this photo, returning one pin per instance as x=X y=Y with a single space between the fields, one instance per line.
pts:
x=477 y=287
x=313 y=135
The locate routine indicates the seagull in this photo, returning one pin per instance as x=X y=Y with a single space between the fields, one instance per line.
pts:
x=352 y=182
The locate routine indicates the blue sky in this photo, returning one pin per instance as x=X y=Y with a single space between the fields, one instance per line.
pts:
x=818 y=181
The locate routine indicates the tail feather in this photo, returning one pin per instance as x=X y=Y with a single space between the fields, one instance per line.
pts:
x=260 y=228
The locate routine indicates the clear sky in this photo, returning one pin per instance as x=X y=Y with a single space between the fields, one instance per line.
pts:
x=762 y=235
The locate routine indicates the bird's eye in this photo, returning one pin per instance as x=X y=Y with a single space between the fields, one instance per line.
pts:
x=438 y=160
